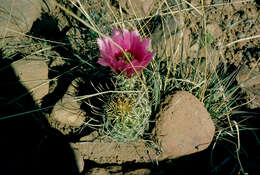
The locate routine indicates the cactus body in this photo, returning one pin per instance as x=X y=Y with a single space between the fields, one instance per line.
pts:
x=127 y=114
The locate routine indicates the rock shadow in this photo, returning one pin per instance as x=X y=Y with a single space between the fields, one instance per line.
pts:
x=28 y=144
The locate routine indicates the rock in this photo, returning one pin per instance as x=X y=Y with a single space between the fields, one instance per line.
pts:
x=67 y=110
x=138 y=8
x=108 y=170
x=166 y=42
x=117 y=170
x=33 y=74
x=142 y=171
x=178 y=44
x=183 y=126
x=103 y=152
x=98 y=171
x=79 y=161
x=214 y=30
x=18 y=16
x=249 y=81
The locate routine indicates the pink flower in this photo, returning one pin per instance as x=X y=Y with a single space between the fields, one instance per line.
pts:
x=135 y=49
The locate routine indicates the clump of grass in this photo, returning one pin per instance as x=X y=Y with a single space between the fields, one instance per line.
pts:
x=216 y=90
x=167 y=74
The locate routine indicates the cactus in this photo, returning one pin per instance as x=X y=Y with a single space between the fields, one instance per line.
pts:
x=127 y=113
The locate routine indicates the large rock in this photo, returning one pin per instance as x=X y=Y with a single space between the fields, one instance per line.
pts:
x=33 y=74
x=18 y=16
x=183 y=126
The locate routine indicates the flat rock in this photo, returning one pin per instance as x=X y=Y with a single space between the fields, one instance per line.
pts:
x=111 y=152
x=143 y=171
x=33 y=74
x=108 y=170
x=183 y=126
x=18 y=16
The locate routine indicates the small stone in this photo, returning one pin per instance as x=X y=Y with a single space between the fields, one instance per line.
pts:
x=33 y=74
x=183 y=127
x=165 y=42
x=138 y=8
x=67 y=110
x=214 y=30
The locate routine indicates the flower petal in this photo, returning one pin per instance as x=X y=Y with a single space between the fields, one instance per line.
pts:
x=118 y=38
x=116 y=31
x=130 y=42
x=101 y=45
x=104 y=62
x=135 y=41
x=127 y=40
x=147 y=59
x=146 y=43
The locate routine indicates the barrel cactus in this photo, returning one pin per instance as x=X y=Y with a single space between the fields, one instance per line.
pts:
x=127 y=116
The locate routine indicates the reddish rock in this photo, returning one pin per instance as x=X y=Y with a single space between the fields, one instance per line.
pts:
x=183 y=127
